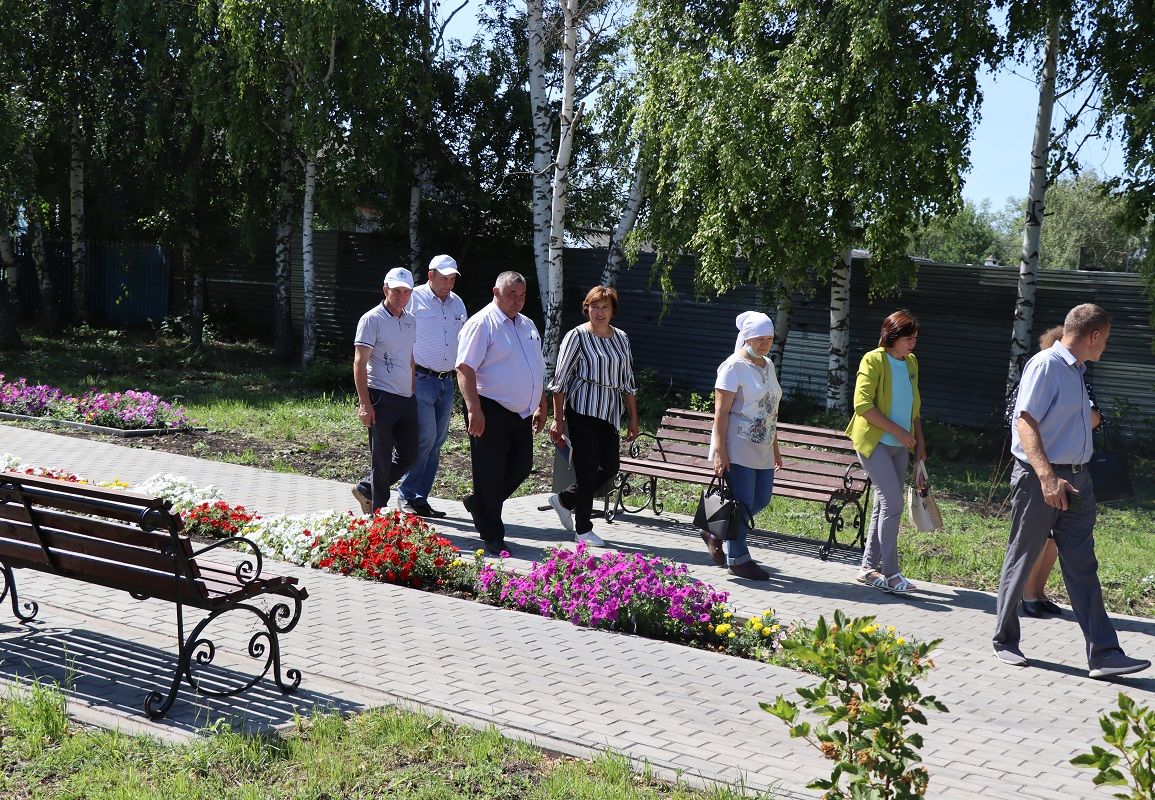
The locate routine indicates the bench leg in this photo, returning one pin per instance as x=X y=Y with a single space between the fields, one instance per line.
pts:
x=624 y=491
x=835 y=514
x=198 y=651
x=24 y=611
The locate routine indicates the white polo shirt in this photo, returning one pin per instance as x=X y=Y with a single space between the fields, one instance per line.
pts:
x=392 y=341
x=439 y=323
x=506 y=355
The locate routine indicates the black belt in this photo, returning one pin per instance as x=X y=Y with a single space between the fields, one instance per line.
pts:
x=433 y=373
x=1075 y=468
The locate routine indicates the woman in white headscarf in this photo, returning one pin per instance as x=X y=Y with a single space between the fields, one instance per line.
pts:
x=744 y=439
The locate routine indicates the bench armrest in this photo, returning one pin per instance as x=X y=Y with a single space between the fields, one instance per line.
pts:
x=636 y=451
x=246 y=571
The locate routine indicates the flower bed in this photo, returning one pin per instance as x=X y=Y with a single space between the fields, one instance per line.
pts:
x=631 y=593
x=123 y=411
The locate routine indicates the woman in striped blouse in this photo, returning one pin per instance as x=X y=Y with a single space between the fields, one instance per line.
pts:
x=593 y=379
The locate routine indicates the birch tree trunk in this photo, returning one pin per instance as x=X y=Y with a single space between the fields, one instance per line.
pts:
x=837 y=371
x=781 y=326
x=308 y=273
x=9 y=335
x=76 y=215
x=1029 y=256
x=283 y=267
x=569 y=122
x=542 y=147
x=15 y=305
x=616 y=259
x=195 y=283
x=49 y=310
x=415 y=213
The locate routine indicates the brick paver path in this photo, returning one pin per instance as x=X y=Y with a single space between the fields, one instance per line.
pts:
x=1009 y=732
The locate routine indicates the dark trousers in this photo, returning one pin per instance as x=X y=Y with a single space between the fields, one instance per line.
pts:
x=502 y=458
x=594 y=445
x=392 y=444
x=1031 y=521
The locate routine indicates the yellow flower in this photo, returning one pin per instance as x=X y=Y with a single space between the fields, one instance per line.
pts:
x=727 y=615
x=732 y=635
x=900 y=640
x=768 y=613
x=775 y=627
x=455 y=562
x=767 y=631
x=756 y=624
x=722 y=629
x=869 y=629
x=479 y=552
x=890 y=629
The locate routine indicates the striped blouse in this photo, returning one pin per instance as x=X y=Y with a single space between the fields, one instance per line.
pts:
x=594 y=371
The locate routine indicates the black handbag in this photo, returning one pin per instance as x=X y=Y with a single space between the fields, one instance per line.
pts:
x=1110 y=477
x=719 y=513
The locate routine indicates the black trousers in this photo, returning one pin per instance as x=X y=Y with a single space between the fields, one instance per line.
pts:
x=594 y=445
x=392 y=444
x=501 y=458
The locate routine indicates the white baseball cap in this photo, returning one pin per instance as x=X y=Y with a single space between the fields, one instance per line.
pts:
x=445 y=265
x=398 y=277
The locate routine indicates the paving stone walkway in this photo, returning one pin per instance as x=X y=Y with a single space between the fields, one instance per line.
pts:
x=1009 y=732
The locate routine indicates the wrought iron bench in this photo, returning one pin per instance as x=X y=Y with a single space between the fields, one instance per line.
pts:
x=134 y=543
x=818 y=465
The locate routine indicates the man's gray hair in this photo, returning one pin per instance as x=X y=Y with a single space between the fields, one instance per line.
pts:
x=1083 y=319
x=508 y=278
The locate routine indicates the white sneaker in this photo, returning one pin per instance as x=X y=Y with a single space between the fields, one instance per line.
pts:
x=590 y=538
x=563 y=513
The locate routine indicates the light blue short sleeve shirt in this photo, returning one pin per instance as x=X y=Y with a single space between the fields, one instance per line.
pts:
x=1052 y=391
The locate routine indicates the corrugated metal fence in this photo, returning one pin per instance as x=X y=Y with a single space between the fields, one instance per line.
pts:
x=963 y=348
x=128 y=283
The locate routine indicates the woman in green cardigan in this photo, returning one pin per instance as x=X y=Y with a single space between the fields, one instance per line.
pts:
x=885 y=429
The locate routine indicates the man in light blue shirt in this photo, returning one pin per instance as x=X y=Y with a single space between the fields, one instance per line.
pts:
x=1051 y=493
x=440 y=316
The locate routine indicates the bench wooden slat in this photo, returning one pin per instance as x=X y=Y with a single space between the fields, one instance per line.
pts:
x=65 y=542
x=819 y=465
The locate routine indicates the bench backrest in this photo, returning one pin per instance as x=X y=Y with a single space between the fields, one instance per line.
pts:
x=813 y=458
x=119 y=539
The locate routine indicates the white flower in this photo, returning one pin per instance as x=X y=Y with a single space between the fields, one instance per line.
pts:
x=181 y=492
x=9 y=461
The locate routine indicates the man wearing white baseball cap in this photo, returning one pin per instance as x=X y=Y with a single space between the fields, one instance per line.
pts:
x=440 y=315
x=383 y=374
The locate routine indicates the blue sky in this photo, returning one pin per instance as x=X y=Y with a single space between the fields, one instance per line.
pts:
x=1000 y=150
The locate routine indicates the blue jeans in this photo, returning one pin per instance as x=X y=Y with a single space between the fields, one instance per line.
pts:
x=434 y=408
x=754 y=488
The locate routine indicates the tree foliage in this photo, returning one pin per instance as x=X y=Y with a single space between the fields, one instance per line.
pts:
x=789 y=132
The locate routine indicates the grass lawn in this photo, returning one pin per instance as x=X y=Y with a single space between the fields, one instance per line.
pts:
x=375 y=755
x=285 y=418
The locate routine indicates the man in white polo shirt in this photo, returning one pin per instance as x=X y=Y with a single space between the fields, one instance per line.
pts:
x=501 y=373
x=383 y=375
x=440 y=315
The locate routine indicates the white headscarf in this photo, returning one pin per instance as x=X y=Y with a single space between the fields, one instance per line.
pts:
x=750 y=325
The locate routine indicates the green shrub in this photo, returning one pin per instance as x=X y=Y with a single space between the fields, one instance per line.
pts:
x=1136 y=754
x=865 y=700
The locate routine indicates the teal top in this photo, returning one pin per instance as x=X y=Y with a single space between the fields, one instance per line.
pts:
x=901 y=399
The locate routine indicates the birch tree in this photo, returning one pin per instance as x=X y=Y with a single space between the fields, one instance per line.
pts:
x=789 y=134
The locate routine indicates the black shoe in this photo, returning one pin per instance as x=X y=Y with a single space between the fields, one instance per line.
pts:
x=750 y=571
x=716 y=552
x=1031 y=608
x=467 y=501
x=495 y=547
x=423 y=509
x=1047 y=607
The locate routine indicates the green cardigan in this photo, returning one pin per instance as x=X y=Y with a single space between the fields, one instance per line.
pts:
x=872 y=390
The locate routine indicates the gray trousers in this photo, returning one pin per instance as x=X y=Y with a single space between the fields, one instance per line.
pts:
x=886 y=467
x=1031 y=521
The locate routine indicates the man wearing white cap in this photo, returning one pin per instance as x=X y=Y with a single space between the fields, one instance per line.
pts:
x=440 y=315
x=383 y=375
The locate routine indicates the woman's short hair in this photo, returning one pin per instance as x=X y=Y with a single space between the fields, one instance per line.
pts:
x=899 y=324
x=1050 y=336
x=601 y=294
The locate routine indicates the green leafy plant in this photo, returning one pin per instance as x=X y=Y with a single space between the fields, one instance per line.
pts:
x=866 y=699
x=1136 y=754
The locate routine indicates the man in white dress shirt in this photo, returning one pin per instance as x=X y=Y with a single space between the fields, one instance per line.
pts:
x=440 y=315
x=501 y=372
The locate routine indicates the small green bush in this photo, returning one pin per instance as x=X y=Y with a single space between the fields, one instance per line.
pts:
x=1137 y=754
